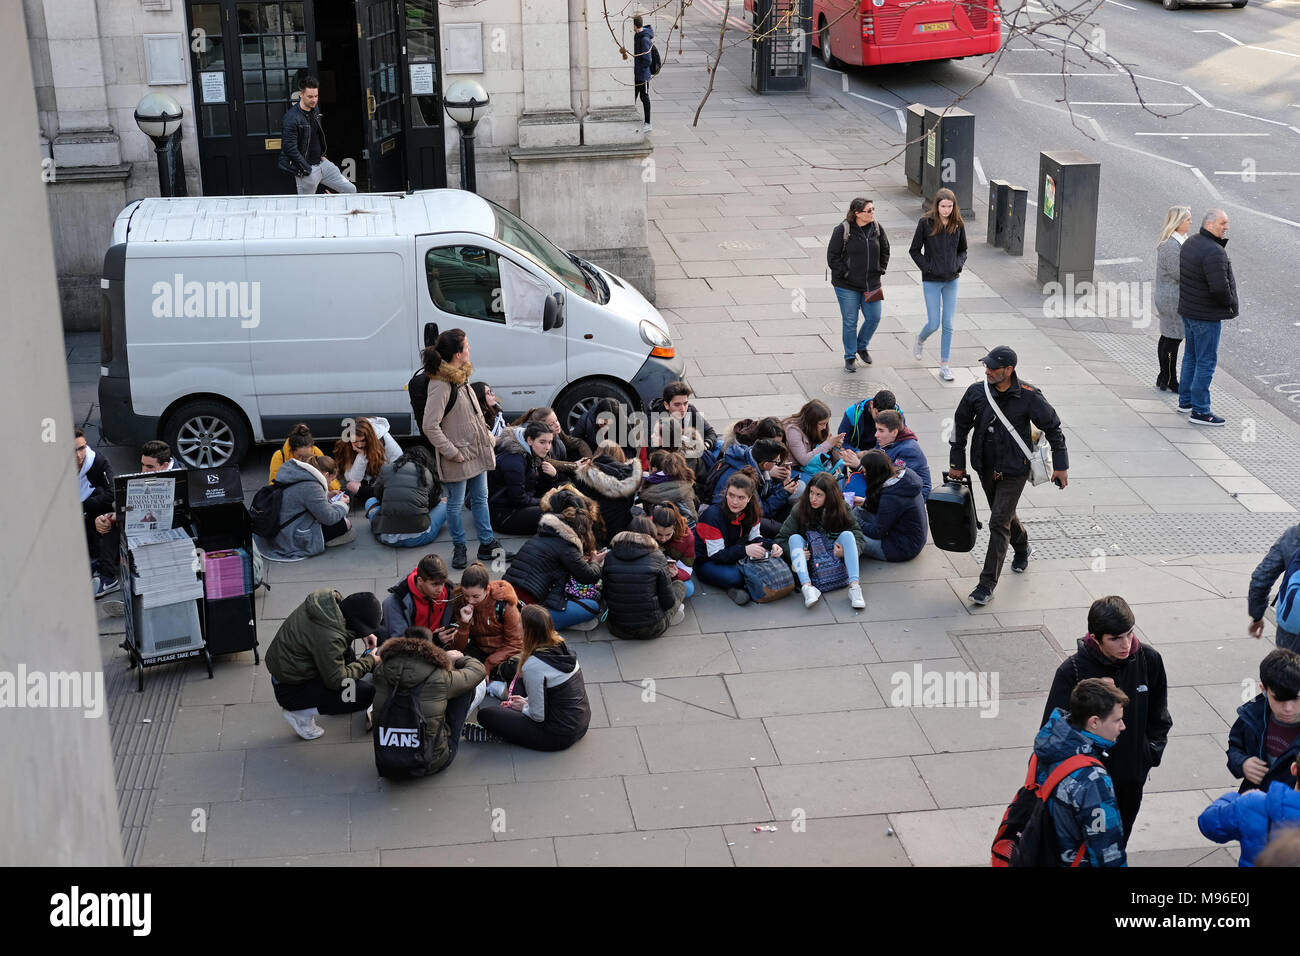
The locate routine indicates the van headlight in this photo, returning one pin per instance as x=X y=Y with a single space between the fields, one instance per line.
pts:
x=654 y=336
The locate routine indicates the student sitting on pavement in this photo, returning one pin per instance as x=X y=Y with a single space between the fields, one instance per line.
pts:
x=564 y=548
x=672 y=481
x=599 y=423
x=611 y=481
x=154 y=456
x=639 y=585
x=298 y=445
x=491 y=630
x=1251 y=817
x=900 y=443
x=778 y=485
x=1085 y=816
x=858 y=424
x=493 y=416
x=677 y=541
x=808 y=436
x=422 y=599
x=1265 y=740
x=566 y=450
x=1262 y=581
x=892 y=514
x=545 y=706
x=312 y=521
x=442 y=682
x=821 y=510
x=408 y=510
x=95 y=479
x=690 y=433
x=311 y=662
x=361 y=459
x=727 y=533
x=521 y=476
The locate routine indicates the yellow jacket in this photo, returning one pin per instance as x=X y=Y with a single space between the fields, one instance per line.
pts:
x=282 y=455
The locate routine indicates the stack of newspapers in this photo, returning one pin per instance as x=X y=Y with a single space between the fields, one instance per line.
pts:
x=163 y=564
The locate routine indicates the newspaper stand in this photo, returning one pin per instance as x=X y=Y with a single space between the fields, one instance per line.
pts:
x=166 y=633
x=224 y=533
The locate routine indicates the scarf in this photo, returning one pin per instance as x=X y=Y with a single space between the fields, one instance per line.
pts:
x=426 y=613
x=82 y=480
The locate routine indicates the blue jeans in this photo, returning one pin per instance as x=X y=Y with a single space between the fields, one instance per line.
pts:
x=719 y=575
x=1200 y=356
x=874 y=549
x=855 y=339
x=940 y=306
x=437 y=518
x=477 y=488
x=690 y=585
x=573 y=613
x=800 y=563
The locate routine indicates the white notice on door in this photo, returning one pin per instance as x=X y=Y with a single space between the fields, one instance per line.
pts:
x=214 y=87
x=421 y=79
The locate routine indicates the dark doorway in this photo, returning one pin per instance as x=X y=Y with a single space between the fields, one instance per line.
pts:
x=340 y=89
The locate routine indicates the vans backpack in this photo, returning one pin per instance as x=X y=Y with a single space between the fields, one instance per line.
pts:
x=1288 y=597
x=1026 y=836
x=403 y=743
x=656 y=62
x=264 y=512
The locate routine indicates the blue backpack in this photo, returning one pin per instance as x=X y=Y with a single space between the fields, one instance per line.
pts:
x=1288 y=597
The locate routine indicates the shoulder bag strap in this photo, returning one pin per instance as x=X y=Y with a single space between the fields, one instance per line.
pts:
x=1020 y=442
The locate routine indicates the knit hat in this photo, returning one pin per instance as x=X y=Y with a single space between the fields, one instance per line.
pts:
x=363 y=614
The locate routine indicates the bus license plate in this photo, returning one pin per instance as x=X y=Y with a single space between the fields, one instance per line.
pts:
x=934 y=27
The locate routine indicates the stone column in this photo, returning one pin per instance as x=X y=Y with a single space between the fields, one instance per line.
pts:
x=612 y=118
x=85 y=136
x=548 y=118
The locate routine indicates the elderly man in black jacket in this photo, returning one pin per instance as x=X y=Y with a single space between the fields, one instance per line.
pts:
x=1002 y=467
x=1207 y=295
x=1111 y=651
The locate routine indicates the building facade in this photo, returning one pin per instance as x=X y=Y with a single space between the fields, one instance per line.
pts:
x=560 y=145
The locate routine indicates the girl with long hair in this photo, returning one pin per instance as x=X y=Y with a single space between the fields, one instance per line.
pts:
x=808 y=435
x=821 y=510
x=563 y=550
x=362 y=458
x=730 y=531
x=493 y=416
x=892 y=517
x=676 y=540
x=671 y=480
x=939 y=249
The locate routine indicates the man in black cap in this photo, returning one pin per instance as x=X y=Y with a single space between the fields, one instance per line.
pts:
x=1002 y=467
x=312 y=665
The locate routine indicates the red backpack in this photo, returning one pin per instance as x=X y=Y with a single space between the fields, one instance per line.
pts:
x=1026 y=836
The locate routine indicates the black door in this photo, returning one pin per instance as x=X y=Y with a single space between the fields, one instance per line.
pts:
x=426 y=157
x=381 y=76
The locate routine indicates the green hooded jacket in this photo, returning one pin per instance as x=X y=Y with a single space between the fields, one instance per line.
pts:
x=314 y=641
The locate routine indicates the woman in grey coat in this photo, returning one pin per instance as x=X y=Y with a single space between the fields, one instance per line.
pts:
x=1168 y=251
x=312 y=520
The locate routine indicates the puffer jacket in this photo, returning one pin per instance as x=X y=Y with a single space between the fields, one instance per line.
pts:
x=283 y=455
x=658 y=488
x=306 y=506
x=1268 y=571
x=517 y=481
x=547 y=560
x=315 y=641
x=637 y=582
x=1246 y=739
x=612 y=485
x=771 y=491
x=857 y=261
x=1250 y=817
x=899 y=522
x=495 y=629
x=907 y=449
x=418 y=666
x=406 y=496
x=1168 y=275
x=992 y=447
x=641 y=43
x=941 y=257
x=556 y=691
x=1207 y=289
x=463 y=431
x=406 y=606
x=1083 y=807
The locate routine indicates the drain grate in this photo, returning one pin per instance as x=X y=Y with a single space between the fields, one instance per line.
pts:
x=843 y=388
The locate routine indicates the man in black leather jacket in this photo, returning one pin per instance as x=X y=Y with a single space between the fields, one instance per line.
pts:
x=998 y=460
x=302 y=145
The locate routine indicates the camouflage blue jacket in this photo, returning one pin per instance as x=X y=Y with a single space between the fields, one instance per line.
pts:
x=1083 y=808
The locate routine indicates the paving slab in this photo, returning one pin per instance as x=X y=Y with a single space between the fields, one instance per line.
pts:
x=916 y=640
x=1213 y=662
x=507 y=853
x=545 y=808
x=284 y=827
x=826 y=645
x=719 y=614
x=735 y=743
x=1193 y=762
x=803 y=691
x=975 y=778
x=606 y=752
x=669 y=656
x=1167 y=821
x=171 y=839
x=951 y=729
x=847 y=735
x=697 y=798
x=195 y=728
x=201 y=778
x=1193 y=715
x=1023 y=661
x=845 y=788
x=288 y=770
x=958 y=837
x=667 y=701
x=838 y=841
x=698 y=846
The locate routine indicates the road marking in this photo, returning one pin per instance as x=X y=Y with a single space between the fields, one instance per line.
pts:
x=845 y=78
x=1209 y=186
x=1216 y=135
x=1248 y=46
x=1155 y=79
x=1287 y=222
x=979 y=172
x=1124 y=5
x=1222 y=34
x=826 y=68
x=870 y=100
x=1204 y=101
x=1032 y=203
x=1242 y=172
x=1262 y=119
x=902 y=121
x=1116 y=75
x=1094 y=103
x=1116 y=262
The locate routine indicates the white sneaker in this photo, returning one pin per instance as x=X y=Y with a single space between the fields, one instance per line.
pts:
x=855 y=596
x=303 y=723
x=646 y=128
x=679 y=615
x=590 y=625
x=370 y=718
x=945 y=373
x=918 y=349
x=810 y=595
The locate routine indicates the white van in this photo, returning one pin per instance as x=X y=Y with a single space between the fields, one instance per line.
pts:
x=225 y=320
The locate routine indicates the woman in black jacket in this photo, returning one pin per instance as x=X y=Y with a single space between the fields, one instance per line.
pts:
x=522 y=474
x=639 y=586
x=858 y=254
x=563 y=549
x=408 y=509
x=939 y=249
x=611 y=481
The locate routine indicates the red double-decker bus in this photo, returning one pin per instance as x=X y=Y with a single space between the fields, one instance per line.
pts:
x=872 y=32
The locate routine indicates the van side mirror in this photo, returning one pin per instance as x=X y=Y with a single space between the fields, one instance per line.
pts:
x=552 y=312
x=430 y=333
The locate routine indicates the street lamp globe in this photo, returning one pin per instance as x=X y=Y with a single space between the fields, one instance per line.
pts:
x=159 y=116
x=466 y=101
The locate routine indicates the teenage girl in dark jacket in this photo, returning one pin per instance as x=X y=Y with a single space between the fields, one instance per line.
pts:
x=939 y=249
x=858 y=255
x=639 y=584
x=728 y=532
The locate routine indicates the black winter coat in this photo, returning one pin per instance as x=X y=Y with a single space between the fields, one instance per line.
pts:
x=611 y=485
x=517 y=481
x=1206 y=287
x=940 y=258
x=406 y=496
x=1146 y=715
x=858 y=262
x=992 y=448
x=637 y=582
x=547 y=560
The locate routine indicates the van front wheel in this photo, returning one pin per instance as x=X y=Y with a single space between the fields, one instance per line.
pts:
x=206 y=435
x=579 y=399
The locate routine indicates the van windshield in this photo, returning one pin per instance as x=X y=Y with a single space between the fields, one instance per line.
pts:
x=514 y=232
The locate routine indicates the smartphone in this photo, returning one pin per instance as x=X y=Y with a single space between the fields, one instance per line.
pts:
x=453 y=625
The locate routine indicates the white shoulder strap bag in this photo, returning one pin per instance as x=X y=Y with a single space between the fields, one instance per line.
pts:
x=1040 y=459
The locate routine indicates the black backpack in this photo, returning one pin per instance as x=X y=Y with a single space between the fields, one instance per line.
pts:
x=656 y=63
x=264 y=512
x=1026 y=836
x=403 y=743
x=704 y=489
x=418 y=391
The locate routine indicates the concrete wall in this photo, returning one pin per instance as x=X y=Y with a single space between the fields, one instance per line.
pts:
x=57 y=797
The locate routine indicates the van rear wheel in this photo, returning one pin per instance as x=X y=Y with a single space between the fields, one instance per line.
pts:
x=578 y=399
x=207 y=435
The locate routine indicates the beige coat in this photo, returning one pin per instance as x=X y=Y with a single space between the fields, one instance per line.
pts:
x=463 y=431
